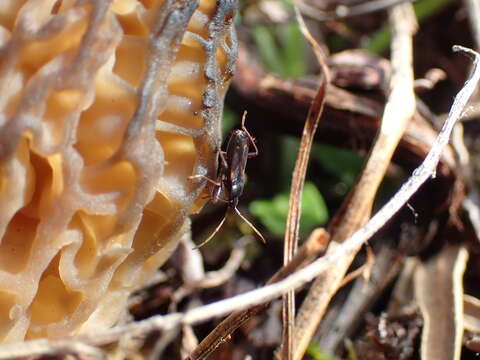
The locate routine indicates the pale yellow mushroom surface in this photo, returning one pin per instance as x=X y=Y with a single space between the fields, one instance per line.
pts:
x=107 y=108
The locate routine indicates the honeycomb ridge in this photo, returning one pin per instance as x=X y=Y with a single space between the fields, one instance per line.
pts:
x=107 y=109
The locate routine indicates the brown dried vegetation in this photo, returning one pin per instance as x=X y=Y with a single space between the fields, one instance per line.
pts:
x=108 y=108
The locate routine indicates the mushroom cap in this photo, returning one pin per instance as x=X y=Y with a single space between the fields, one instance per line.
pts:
x=107 y=109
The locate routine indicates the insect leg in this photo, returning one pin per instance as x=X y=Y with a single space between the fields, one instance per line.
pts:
x=223 y=159
x=217 y=191
x=250 y=137
x=211 y=181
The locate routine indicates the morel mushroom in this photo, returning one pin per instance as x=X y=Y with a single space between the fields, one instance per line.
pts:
x=107 y=108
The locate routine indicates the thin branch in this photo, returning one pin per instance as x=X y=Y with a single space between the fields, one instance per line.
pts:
x=301 y=277
x=43 y=347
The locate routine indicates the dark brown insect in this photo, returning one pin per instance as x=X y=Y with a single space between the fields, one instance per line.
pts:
x=230 y=179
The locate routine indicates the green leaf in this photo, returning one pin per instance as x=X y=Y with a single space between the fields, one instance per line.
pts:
x=281 y=47
x=344 y=164
x=273 y=213
x=265 y=39
x=317 y=354
x=293 y=50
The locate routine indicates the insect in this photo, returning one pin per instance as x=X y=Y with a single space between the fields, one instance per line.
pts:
x=230 y=179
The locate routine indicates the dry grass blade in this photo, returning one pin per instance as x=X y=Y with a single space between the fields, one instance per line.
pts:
x=399 y=109
x=439 y=292
x=298 y=180
x=294 y=206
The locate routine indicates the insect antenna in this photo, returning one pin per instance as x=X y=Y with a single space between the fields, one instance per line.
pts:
x=220 y=225
x=251 y=225
x=213 y=233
